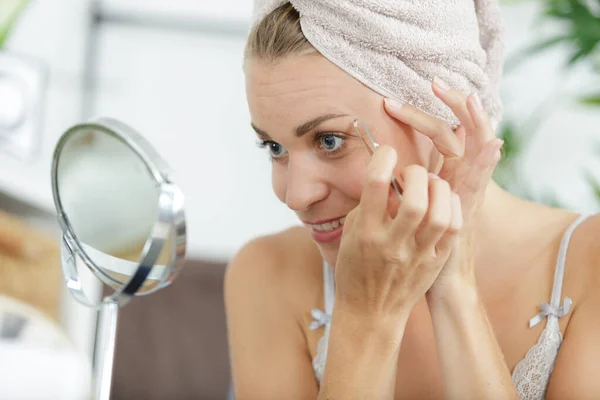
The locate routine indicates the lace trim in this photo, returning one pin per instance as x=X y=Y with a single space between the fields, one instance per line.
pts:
x=320 y=319
x=532 y=374
x=319 y=360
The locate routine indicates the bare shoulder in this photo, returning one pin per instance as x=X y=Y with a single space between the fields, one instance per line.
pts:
x=582 y=270
x=577 y=367
x=285 y=265
x=267 y=288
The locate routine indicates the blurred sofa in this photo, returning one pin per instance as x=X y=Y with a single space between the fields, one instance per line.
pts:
x=172 y=345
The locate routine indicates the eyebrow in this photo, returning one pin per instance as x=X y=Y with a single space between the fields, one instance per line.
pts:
x=304 y=128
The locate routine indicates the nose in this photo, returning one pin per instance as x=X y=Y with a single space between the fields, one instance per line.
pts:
x=306 y=184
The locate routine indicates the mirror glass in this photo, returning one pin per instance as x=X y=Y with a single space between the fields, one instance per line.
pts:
x=111 y=201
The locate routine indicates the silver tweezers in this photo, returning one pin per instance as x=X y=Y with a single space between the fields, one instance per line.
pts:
x=371 y=145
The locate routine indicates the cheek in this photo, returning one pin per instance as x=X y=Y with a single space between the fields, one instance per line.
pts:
x=357 y=182
x=351 y=178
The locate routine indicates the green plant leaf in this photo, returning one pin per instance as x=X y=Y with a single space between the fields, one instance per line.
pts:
x=9 y=23
x=512 y=143
x=592 y=100
x=581 y=36
x=582 y=29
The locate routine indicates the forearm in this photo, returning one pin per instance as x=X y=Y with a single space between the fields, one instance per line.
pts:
x=471 y=361
x=362 y=357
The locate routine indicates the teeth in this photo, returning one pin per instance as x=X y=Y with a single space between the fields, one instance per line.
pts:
x=328 y=226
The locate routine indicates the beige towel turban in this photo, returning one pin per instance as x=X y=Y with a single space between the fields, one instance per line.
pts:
x=396 y=47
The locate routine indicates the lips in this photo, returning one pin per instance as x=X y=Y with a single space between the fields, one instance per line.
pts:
x=327 y=225
x=323 y=221
x=327 y=231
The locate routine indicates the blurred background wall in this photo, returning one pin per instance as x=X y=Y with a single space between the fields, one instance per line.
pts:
x=172 y=70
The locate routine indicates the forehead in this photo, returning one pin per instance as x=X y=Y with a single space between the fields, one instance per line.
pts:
x=295 y=90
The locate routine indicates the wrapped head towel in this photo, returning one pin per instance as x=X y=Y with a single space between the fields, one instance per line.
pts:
x=396 y=47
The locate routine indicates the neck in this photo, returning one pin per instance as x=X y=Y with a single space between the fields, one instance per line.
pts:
x=514 y=234
x=505 y=222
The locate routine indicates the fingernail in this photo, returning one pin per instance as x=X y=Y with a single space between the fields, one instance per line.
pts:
x=499 y=144
x=497 y=156
x=433 y=176
x=393 y=104
x=456 y=149
x=441 y=84
x=496 y=149
x=459 y=151
x=477 y=101
x=457 y=207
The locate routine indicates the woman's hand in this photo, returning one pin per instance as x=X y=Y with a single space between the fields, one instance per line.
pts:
x=388 y=260
x=468 y=174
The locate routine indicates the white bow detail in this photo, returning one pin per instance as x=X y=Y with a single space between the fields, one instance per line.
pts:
x=320 y=318
x=548 y=309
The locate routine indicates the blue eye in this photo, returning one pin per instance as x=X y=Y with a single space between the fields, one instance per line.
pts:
x=331 y=143
x=275 y=149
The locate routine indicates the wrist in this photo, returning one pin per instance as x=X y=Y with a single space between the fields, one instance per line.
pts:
x=387 y=328
x=453 y=294
x=362 y=355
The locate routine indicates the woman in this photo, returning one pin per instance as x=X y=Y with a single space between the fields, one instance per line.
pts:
x=433 y=293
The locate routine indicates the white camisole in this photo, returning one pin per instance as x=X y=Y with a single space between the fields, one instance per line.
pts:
x=532 y=374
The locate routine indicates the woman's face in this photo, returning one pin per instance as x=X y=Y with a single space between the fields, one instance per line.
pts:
x=302 y=110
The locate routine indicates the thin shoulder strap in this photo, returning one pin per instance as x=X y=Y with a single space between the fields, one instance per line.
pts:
x=559 y=272
x=329 y=284
x=322 y=317
x=554 y=309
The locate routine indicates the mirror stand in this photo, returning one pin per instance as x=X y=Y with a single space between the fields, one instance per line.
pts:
x=104 y=348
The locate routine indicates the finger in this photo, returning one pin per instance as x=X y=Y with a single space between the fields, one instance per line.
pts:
x=444 y=245
x=393 y=203
x=479 y=174
x=414 y=204
x=461 y=134
x=374 y=198
x=452 y=168
x=454 y=99
x=439 y=214
x=480 y=118
x=437 y=130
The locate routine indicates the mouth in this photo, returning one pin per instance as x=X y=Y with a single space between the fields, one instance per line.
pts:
x=327 y=225
x=327 y=231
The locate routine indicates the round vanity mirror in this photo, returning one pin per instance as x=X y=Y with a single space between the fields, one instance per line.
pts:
x=122 y=218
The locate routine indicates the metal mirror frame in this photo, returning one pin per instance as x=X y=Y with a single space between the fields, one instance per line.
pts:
x=171 y=219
